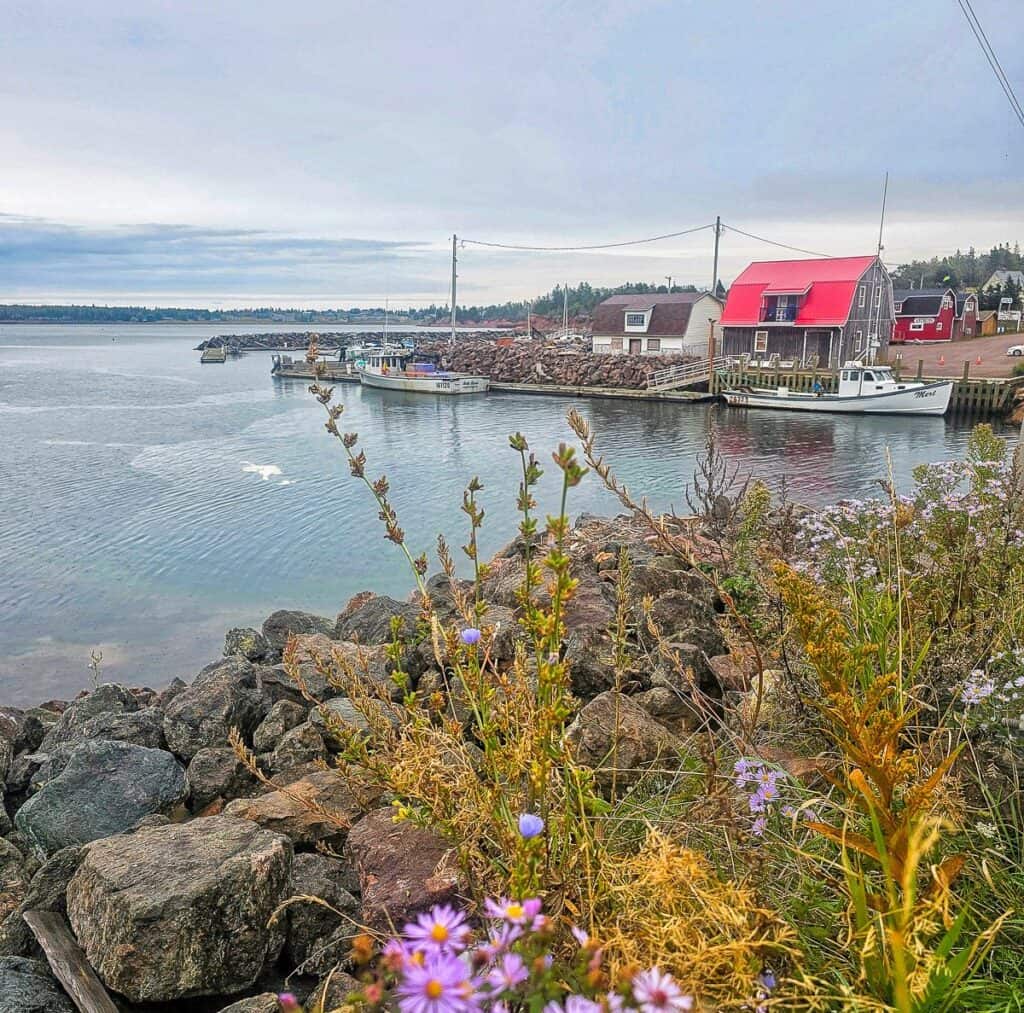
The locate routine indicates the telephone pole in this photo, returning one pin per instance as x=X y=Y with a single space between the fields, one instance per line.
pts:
x=455 y=261
x=668 y=278
x=718 y=233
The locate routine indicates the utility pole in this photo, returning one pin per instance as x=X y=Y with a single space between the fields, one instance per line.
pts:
x=455 y=261
x=668 y=278
x=565 y=306
x=718 y=233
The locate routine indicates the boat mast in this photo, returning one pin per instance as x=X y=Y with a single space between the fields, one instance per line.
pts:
x=565 y=307
x=875 y=295
x=455 y=261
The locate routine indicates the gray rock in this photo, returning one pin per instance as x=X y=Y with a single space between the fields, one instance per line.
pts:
x=680 y=615
x=106 y=788
x=247 y=643
x=310 y=925
x=671 y=707
x=279 y=626
x=403 y=869
x=315 y=654
x=174 y=688
x=26 y=986
x=224 y=696
x=216 y=773
x=283 y=717
x=370 y=621
x=106 y=699
x=142 y=727
x=181 y=910
x=334 y=718
x=333 y=990
x=298 y=747
x=23 y=730
x=22 y=776
x=13 y=882
x=46 y=892
x=265 y=1002
x=731 y=677
x=614 y=732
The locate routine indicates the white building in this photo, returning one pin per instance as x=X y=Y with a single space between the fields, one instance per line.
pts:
x=653 y=324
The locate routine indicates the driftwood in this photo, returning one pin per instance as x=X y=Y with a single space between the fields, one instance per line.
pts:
x=68 y=963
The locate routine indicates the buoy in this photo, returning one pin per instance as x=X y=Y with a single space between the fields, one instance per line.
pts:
x=942 y=360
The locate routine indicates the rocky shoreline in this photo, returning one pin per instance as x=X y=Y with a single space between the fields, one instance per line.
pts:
x=327 y=340
x=128 y=812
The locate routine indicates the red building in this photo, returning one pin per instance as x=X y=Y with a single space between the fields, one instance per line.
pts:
x=928 y=314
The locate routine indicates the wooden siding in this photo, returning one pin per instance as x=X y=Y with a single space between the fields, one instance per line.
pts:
x=869 y=317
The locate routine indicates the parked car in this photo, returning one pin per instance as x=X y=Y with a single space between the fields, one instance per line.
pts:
x=1015 y=350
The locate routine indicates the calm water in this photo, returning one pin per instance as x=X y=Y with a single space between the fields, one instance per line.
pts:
x=148 y=503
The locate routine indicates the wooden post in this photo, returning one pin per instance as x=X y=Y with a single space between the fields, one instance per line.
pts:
x=920 y=369
x=967 y=370
x=68 y=963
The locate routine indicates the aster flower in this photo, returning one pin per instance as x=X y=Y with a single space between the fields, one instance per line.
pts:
x=573 y=1004
x=509 y=973
x=580 y=935
x=513 y=911
x=499 y=942
x=288 y=1002
x=470 y=635
x=757 y=828
x=658 y=993
x=442 y=927
x=440 y=985
x=530 y=826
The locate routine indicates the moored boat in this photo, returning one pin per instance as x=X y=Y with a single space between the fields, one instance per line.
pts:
x=863 y=390
x=390 y=369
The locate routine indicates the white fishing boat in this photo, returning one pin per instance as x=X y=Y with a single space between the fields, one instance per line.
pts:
x=390 y=369
x=863 y=390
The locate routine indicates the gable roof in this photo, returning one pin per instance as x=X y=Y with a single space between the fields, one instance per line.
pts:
x=830 y=285
x=1003 y=275
x=920 y=302
x=670 y=314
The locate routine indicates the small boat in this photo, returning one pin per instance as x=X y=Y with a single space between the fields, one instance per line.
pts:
x=389 y=369
x=863 y=390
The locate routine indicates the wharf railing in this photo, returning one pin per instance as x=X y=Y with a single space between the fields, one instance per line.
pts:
x=685 y=374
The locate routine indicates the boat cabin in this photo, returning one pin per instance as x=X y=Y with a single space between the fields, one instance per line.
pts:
x=858 y=380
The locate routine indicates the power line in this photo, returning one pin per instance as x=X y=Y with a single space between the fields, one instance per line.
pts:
x=771 y=242
x=990 y=56
x=575 y=249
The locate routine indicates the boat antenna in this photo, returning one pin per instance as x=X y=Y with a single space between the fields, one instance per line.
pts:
x=455 y=261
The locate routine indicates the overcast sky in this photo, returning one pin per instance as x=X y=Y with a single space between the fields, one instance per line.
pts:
x=322 y=153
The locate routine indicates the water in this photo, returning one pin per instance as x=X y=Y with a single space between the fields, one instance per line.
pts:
x=149 y=503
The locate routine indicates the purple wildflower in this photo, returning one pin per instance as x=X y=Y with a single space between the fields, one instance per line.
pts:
x=757 y=828
x=470 y=635
x=513 y=911
x=530 y=826
x=509 y=973
x=442 y=927
x=440 y=985
x=658 y=993
x=580 y=935
x=288 y=1002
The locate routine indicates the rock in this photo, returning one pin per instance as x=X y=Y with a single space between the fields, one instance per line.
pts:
x=12 y=878
x=105 y=789
x=225 y=695
x=46 y=892
x=336 y=716
x=315 y=654
x=106 y=699
x=246 y=643
x=265 y=1002
x=614 y=731
x=283 y=717
x=284 y=811
x=216 y=773
x=22 y=729
x=589 y=615
x=369 y=622
x=27 y=986
x=284 y=623
x=403 y=869
x=174 y=688
x=181 y=910
x=22 y=774
x=333 y=990
x=310 y=925
x=142 y=727
x=672 y=708
x=731 y=677
x=680 y=615
x=298 y=747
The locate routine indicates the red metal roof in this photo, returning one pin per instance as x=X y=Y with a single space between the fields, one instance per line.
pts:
x=830 y=285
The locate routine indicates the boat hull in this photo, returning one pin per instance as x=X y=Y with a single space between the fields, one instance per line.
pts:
x=922 y=399
x=452 y=383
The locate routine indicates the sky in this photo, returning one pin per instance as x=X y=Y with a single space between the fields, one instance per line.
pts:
x=323 y=153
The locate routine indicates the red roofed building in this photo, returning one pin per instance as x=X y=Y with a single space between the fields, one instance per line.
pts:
x=836 y=309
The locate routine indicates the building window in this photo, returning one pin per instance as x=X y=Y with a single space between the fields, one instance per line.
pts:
x=878 y=297
x=654 y=344
x=897 y=307
x=862 y=297
x=637 y=321
x=616 y=344
x=761 y=341
x=947 y=301
x=859 y=341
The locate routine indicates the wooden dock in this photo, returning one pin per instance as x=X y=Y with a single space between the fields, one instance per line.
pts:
x=215 y=353
x=975 y=396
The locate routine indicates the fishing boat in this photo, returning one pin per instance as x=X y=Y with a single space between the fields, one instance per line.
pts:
x=390 y=368
x=863 y=390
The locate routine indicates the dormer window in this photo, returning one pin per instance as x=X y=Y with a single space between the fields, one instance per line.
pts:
x=636 y=320
x=898 y=307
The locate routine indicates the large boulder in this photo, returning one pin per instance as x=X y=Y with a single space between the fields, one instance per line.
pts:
x=369 y=622
x=320 y=806
x=282 y=717
x=106 y=788
x=680 y=615
x=225 y=695
x=12 y=878
x=403 y=869
x=279 y=626
x=316 y=655
x=299 y=747
x=265 y=1002
x=619 y=739
x=246 y=643
x=181 y=910
x=142 y=727
x=46 y=892
x=310 y=924
x=26 y=986
x=22 y=730
x=106 y=699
